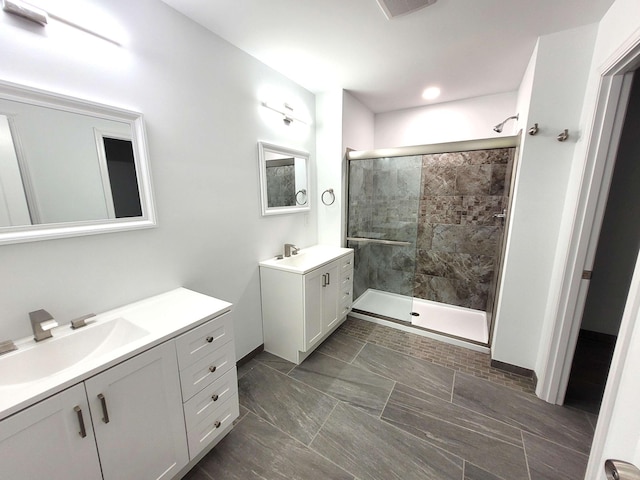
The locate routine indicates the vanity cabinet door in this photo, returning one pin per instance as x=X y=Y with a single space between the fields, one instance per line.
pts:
x=313 y=282
x=321 y=288
x=137 y=414
x=46 y=440
x=330 y=296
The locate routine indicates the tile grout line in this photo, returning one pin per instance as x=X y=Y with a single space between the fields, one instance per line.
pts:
x=364 y=344
x=526 y=457
x=555 y=443
x=506 y=380
x=453 y=385
x=473 y=430
x=308 y=447
x=387 y=401
x=323 y=424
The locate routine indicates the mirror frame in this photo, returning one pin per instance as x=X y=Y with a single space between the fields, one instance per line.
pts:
x=34 y=96
x=263 y=148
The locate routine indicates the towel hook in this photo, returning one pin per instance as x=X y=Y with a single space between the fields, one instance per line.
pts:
x=333 y=196
x=563 y=136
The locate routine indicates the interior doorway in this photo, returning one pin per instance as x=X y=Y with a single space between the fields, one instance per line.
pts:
x=615 y=256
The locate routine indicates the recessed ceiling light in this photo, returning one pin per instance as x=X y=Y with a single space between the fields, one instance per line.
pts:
x=431 y=93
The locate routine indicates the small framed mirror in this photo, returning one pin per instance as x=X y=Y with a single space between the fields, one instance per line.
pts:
x=70 y=167
x=284 y=179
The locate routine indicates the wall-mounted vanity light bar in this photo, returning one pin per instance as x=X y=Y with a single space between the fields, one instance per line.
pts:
x=285 y=110
x=41 y=17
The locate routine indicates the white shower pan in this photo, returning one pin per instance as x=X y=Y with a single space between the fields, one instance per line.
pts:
x=464 y=323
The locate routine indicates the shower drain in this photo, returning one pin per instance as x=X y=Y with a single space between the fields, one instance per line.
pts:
x=415 y=314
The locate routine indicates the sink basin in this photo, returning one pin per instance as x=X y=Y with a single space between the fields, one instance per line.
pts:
x=307 y=259
x=66 y=350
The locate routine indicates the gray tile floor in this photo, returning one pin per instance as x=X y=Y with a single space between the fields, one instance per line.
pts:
x=358 y=410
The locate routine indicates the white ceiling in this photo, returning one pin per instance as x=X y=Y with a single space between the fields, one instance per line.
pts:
x=468 y=48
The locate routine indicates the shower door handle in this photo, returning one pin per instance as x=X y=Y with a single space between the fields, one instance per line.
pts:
x=377 y=240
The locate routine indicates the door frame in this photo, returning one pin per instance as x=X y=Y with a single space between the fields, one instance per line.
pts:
x=604 y=138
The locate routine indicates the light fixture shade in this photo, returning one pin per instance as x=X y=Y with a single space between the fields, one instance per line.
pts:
x=395 y=8
x=24 y=10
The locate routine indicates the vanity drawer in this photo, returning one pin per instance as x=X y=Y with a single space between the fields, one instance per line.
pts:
x=210 y=398
x=207 y=370
x=346 y=264
x=346 y=282
x=345 y=307
x=203 y=433
x=201 y=341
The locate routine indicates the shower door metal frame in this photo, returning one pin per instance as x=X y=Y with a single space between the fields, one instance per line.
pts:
x=511 y=141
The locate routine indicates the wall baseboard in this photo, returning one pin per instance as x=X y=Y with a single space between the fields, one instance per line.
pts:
x=259 y=349
x=507 y=367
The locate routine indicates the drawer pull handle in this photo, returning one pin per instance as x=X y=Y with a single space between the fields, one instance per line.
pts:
x=214 y=397
x=209 y=339
x=217 y=424
x=105 y=412
x=83 y=431
x=212 y=368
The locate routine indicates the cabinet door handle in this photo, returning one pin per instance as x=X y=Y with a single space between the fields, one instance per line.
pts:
x=214 y=397
x=217 y=424
x=105 y=412
x=83 y=431
x=324 y=280
x=212 y=368
x=328 y=278
x=209 y=339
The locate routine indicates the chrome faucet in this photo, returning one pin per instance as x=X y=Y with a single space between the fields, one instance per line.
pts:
x=42 y=323
x=290 y=249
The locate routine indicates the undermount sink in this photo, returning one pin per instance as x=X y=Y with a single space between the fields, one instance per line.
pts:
x=54 y=355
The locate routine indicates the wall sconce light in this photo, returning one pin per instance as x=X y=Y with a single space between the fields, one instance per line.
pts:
x=286 y=111
x=41 y=17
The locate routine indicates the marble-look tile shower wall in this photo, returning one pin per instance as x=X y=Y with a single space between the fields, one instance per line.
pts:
x=444 y=205
x=281 y=187
x=459 y=239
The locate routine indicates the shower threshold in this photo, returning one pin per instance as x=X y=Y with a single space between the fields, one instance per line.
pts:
x=449 y=323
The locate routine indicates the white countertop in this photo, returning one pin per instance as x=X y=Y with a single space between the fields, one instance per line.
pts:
x=307 y=259
x=164 y=316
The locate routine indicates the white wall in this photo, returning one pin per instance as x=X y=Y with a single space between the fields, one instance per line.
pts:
x=468 y=119
x=561 y=70
x=329 y=150
x=358 y=124
x=343 y=122
x=201 y=100
x=525 y=91
x=616 y=32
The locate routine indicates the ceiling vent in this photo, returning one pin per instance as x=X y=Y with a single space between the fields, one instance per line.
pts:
x=395 y=8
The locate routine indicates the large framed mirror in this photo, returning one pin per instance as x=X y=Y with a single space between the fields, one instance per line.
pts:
x=284 y=179
x=70 y=167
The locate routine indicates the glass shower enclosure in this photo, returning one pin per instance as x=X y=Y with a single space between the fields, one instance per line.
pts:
x=427 y=225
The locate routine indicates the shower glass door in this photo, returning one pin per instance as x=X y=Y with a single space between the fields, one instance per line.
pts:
x=382 y=228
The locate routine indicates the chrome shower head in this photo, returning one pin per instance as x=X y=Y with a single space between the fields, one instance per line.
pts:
x=498 y=128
